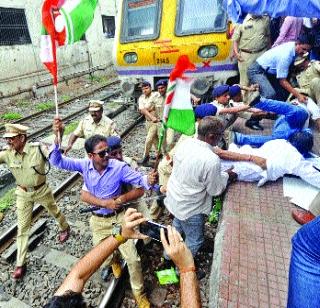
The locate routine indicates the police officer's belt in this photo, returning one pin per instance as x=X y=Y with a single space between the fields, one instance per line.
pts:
x=31 y=189
x=115 y=212
x=252 y=51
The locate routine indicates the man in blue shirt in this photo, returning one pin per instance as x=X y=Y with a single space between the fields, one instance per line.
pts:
x=103 y=178
x=271 y=69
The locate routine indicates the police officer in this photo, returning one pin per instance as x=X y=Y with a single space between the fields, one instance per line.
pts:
x=148 y=102
x=27 y=162
x=161 y=87
x=93 y=124
x=250 y=40
x=308 y=77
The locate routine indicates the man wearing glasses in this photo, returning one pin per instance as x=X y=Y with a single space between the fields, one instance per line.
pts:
x=27 y=162
x=103 y=177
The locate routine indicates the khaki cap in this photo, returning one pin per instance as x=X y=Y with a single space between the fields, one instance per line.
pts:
x=95 y=105
x=299 y=60
x=13 y=130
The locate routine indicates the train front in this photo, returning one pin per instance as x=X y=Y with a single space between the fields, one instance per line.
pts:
x=152 y=34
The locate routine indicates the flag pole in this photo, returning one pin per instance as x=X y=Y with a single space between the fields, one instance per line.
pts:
x=57 y=109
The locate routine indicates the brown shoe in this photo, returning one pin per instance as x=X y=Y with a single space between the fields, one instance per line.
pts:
x=19 y=272
x=142 y=300
x=64 y=235
x=302 y=217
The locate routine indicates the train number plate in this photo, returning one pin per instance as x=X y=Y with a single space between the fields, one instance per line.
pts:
x=162 y=61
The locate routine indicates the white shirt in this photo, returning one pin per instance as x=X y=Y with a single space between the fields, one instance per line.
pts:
x=282 y=158
x=195 y=178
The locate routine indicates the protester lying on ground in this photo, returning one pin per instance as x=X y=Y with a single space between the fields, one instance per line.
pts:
x=280 y=157
x=292 y=120
x=69 y=293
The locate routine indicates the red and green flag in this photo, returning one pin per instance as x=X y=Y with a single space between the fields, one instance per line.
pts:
x=178 y=113
x=63 y=22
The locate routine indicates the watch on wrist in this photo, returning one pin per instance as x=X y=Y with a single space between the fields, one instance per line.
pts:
x=116 y=232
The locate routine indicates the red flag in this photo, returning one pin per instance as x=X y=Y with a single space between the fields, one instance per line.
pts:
x=50 y=37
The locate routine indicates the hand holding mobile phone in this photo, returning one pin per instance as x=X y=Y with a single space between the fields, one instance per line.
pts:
x=152 y=229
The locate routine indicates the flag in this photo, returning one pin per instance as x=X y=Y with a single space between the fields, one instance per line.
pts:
x=63 y=22
x=74 y=19
x=178 y=113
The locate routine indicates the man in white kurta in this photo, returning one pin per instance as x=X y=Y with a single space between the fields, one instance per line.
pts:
x=281 y=158
x=196 y=177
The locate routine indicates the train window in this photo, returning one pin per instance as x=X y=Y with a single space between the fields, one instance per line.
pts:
x=108 y=26
x=140 y=20
x=13 y=27
x=200 y=16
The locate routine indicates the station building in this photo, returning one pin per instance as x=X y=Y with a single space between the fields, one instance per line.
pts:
x=20 y=28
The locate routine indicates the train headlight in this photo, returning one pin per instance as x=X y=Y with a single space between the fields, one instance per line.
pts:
x=208 y=51
x=130 y=57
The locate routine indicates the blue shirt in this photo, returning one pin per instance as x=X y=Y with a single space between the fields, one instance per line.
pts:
x=105 y=185
x=277 y=60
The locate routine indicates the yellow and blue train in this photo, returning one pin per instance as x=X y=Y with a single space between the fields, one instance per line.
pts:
x=152 y=34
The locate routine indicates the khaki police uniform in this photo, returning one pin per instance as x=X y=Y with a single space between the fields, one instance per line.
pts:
x=31 y=187
x=166 y=163
x=228 y=119
x=87 y=127
x=309 y=81
x=150 y=103
x=168 y=142
x=102 y=228
x=253 y=37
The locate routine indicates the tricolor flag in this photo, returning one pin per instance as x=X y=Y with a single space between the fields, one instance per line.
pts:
x=63 y=22
x=178 y=113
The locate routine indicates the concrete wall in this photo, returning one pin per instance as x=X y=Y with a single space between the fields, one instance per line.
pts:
x=21 y=67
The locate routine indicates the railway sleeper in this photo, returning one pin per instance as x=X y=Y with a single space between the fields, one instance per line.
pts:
x=36 y=234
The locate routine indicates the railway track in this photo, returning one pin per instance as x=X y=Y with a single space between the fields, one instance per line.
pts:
x=8 y=237
x=46 y=269
x=40 y=123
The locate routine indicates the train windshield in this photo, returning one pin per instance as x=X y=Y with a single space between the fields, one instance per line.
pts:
x=141 y=20
x=200 y=16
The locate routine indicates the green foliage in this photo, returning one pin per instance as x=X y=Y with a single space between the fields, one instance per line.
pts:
x=7 y=200
x=99 y=79
x=44 y=106
x=11 y=116
x=71 y=127
x=65 y=97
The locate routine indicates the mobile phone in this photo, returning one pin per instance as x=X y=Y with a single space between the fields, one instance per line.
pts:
x=152 y=229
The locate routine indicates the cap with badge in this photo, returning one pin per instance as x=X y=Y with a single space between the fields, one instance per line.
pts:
x=13 y=130
x=162 y=82
x=95 y=105
x=145 y=84
x=219 y=90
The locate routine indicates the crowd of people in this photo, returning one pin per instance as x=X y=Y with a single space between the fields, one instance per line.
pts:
x=278 y=81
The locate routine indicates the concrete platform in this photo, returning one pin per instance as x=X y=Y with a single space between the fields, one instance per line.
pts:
x=252 y=248
x=253 y=244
